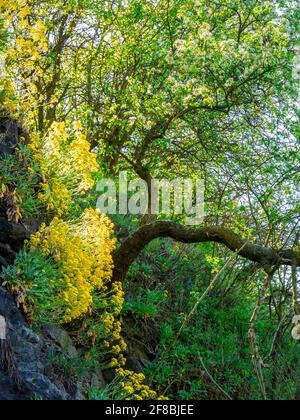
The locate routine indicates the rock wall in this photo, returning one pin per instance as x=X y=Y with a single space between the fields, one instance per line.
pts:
x=25 y=359
x=12 y=235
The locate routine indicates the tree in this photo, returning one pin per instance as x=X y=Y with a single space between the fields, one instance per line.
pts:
x=164 y=89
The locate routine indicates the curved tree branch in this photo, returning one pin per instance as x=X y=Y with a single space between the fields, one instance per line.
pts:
x=131 y=248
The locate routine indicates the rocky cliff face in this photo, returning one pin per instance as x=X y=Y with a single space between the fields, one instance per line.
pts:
x=12 y=235
x=9 y=135
x=25 y=357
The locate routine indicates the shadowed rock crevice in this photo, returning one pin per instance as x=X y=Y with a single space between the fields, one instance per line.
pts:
x=10 y=132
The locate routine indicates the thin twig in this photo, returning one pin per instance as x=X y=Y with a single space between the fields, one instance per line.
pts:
x=256 y=357
x=213 y=380
x=275 y=337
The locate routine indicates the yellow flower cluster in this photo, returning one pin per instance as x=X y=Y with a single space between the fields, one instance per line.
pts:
x=83 y=250
x=112 y=334
x=66 y=165
x=131 y=384
x=117 y=298
x=6 y=87
x=27 y=44
x=55 y=195
x=6 y=6
x=84 y=253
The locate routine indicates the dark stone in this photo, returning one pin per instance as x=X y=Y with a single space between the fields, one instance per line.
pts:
x=7 y=253
x=9 y=310
x=25 y=359
x=134 y=365
x=97 y=379
x=10 y=132
x=13 y=234
x=108 y=375
x=61 y=338
x=3 y=262
x=9 y=391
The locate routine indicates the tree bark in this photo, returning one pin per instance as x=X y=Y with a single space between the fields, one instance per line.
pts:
x=131 y=248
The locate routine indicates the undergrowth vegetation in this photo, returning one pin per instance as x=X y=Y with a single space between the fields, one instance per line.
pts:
x=210 y=357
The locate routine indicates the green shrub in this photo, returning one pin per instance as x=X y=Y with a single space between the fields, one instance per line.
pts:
x=34 y=280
